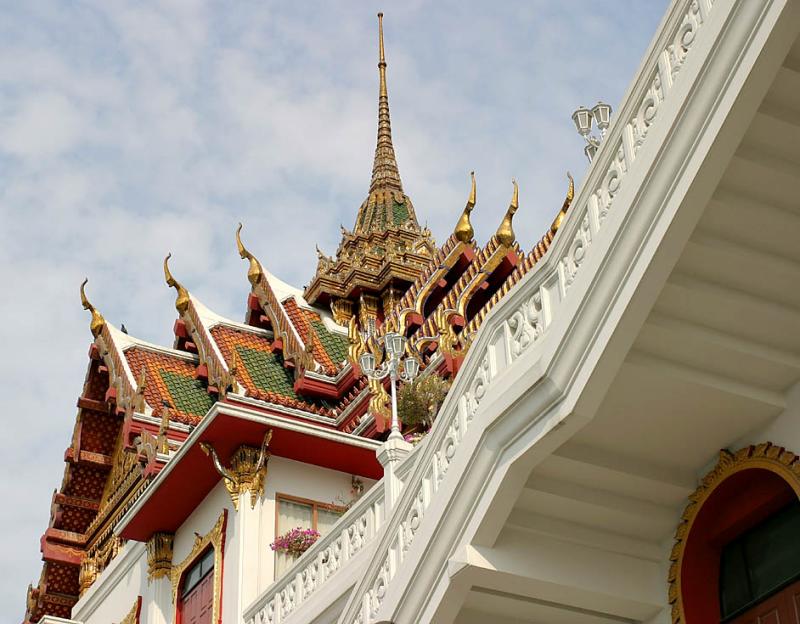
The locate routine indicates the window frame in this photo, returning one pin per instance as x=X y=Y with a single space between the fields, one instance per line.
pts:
x=213 y=540
x=314 y=504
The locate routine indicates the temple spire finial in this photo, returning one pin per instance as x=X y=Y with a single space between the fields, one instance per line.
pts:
x=255 y=271
x=385 y=174
x=182 y=301
x=505 y=233
x=464 y=231
x=98 y=321
x=381 y=57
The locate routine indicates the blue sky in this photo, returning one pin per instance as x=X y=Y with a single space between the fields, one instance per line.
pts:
x=128 y=130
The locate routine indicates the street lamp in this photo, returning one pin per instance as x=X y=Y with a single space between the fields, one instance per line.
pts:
x=395 y=367
x=583 y=117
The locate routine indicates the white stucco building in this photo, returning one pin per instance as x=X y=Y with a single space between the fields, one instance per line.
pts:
x=619 y=442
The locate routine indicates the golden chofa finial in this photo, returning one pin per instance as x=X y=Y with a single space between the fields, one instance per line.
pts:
x=567 y=202
x=182 y=302
x=98 y=321
x=254 y=272
x=464 y=231
x=505 y=233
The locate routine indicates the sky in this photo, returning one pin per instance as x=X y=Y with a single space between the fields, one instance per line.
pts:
x=128 y=130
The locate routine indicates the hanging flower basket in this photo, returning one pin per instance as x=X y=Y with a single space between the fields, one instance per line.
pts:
x=295 y=542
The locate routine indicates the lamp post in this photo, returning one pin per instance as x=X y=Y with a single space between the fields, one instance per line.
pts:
x=583 y=117
x=395 y=366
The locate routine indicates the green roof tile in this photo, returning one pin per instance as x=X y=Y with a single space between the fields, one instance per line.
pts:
x=335 y=345
x=188 y=395
x=267 y=371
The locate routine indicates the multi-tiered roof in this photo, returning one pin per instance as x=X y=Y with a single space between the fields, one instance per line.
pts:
x=294 y=357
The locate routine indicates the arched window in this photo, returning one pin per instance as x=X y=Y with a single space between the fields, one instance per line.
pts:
x=197 y=591
x=736 y=557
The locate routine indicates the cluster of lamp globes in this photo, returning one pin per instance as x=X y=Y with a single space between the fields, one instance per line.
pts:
x=395 y=366
x=583 y=117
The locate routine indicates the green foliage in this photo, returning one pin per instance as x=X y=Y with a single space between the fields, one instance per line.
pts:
x=419 y=401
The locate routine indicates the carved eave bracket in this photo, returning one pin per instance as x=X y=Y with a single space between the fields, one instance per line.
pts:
x=159 y=556
x=246 y=471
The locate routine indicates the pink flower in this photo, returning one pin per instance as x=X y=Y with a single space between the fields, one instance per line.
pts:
x=295 y=542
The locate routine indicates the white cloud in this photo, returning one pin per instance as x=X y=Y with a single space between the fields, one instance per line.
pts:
x=43 y=126
x=130 y=129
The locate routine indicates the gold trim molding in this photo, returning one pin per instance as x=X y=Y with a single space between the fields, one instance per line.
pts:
x=134 y=613
x=215 y=539
x=159 y=555
x=765 y=456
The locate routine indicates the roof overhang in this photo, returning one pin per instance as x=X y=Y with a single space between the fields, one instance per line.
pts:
x=190 y=475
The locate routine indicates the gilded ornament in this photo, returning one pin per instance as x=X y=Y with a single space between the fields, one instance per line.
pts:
x=182 y=301
x=159 y=555
x=139 y=403
x=255 y=272
x=342 y=310
x=87 y=574
x=98 y=322
x=567 y=202
x=133 y=615
x=448 y=339
x=464 y=231
x=356 y=346
x=505 y=233
x=247 y=470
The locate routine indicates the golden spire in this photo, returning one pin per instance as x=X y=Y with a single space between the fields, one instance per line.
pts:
x=97 y=322
x=464 y=231
x=384 y=169
x=505 y=233
x=182 y=302
x=567 y=202
x=255 y=271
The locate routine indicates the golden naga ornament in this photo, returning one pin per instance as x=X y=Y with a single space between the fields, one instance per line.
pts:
x=448 y=339
x=98 y=322
x=255 y=272
x=356 y=346
x=182 y=301
x=464 y=231
x=505 y=233
x=247 y=470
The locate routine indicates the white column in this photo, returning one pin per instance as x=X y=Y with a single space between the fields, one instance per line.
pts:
x=390 y=455
x=160 y=608
x=249 y=551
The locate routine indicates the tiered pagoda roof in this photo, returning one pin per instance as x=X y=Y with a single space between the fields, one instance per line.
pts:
x=295 y=356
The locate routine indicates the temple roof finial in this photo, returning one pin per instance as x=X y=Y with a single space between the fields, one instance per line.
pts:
x=384 y=169
x=505 y=233
x=381 y=57
x=97 y=322
x=567 y=202
x=182 y=302
x=255 y=271
x=464 y=231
